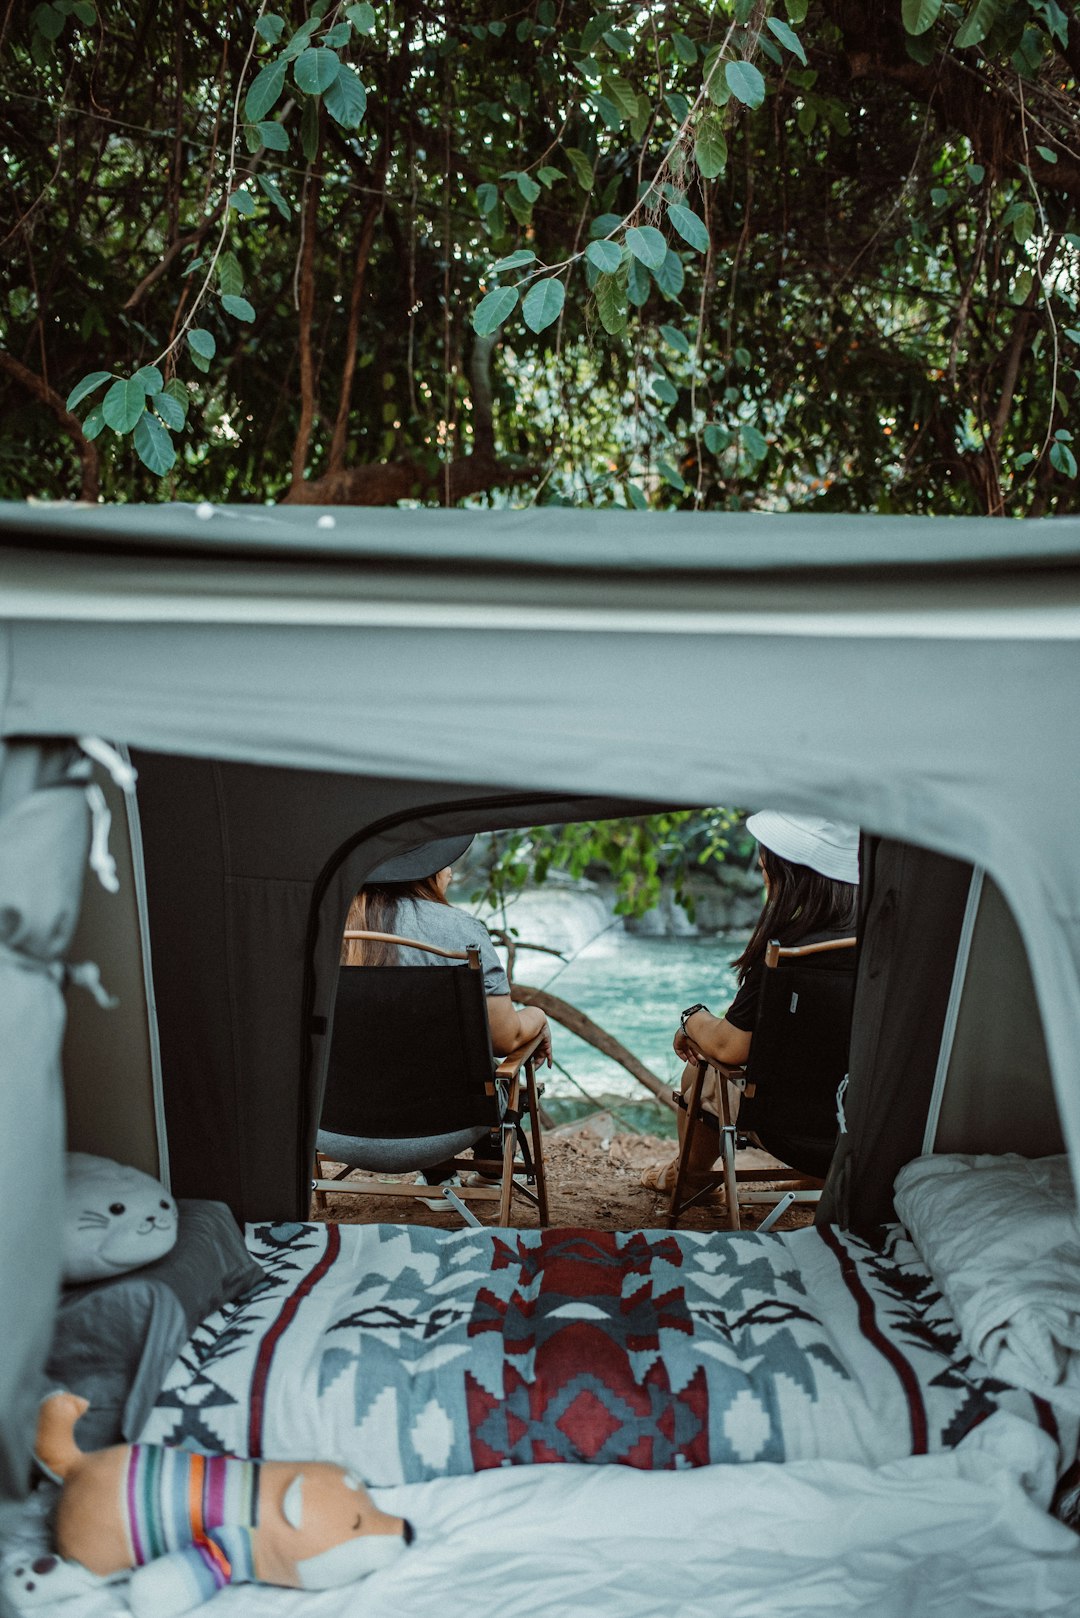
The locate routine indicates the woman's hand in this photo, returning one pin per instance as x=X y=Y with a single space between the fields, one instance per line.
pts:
x=543 y=1054
x=684 y=1047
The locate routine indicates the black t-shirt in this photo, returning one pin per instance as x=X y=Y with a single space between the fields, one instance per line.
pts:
x=742 y=1012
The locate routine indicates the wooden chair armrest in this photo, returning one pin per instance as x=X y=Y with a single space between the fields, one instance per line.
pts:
x=511 y=1064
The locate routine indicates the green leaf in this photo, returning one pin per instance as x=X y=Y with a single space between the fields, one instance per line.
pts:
x=1072 y=333
x=149 y=378
x=202 y=342
x=939 y=196
x=124 y=403
x=266 y=86
x=670 y=475
x=595 y=29
x=309 y=130
x=745 y=82
x=1025 y=459
x=337 y=36
x=270 y=186
x=49 y=21
x=1062 y=459
x=514 y=261
x=787 y=37
x=93 y=422
x=230 y=275
x=274 y=136
x=689 y=226
x=710 y=146
x=491 y=311
x=611 y=304
x=89 y=384
x=919 y=15
x=975 y=173
x=299 y=40
x=716 y=438
x=528 y=187
x=85 y=12
x=1046 y=154
x=362 y=17
x=153 y=445
x=978 y=23
x=671 y=276
x=243 y=202
x=647 y=245
x=239 y=308
x=638 y=283
x=1021 y=289
x=270 y=27
x=487 y=197
x=583 y=169
x=675 y=339
x=543 y=303
x=549 y=174
x=604 y=224
x=796 y=10
x=636 y=497
x=315 y=70
x=606 y=256
x=754 y=443
x=168 y=409
x=346 y=99
x=684 y=48
x=665 y=390
x=1023 y=224
x=178 y=393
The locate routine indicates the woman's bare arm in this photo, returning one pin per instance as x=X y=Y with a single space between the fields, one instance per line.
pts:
x=717 y=1039
x=511 y=1028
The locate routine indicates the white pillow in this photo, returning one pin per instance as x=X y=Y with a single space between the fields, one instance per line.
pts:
x=115 y=1218
x=1001 y=1237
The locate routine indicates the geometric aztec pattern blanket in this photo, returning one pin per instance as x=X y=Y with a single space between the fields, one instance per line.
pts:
x=407 y=1353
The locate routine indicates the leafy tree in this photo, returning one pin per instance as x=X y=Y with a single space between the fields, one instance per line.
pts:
x=805 y=254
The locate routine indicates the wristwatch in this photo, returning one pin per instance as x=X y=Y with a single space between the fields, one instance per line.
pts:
x=690 y=1012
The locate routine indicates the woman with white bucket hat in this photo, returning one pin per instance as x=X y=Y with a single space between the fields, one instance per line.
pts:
x=810 y=867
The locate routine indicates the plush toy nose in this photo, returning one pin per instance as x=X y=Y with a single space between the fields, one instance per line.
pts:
x=354 y=1559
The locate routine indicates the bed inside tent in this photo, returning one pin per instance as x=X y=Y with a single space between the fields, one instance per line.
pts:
x=285 y=704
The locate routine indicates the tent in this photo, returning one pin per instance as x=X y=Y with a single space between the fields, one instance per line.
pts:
x=301 y=693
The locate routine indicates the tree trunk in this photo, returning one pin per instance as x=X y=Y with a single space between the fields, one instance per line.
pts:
x=578 y=1023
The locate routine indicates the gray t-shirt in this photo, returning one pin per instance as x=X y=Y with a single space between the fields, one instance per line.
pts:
x=453 y=929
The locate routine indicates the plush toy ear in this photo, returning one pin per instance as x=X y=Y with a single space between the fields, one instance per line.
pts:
x=171 y=1585
x=32 y=1582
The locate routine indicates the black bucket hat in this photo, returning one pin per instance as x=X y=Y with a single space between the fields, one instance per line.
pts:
x=423 y=860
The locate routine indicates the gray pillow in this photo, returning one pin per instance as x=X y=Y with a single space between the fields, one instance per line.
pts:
x=114 y=1340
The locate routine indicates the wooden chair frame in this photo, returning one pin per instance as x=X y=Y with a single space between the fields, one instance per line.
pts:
x=786 y=1185
x=516 y=1070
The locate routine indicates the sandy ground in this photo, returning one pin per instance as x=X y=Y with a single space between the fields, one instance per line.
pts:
x=593 y=1180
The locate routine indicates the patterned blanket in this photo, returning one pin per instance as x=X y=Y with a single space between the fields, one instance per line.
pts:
x=409 y=1353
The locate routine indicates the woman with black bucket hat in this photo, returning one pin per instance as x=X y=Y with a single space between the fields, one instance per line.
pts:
x=406 y=894
x=810 y=867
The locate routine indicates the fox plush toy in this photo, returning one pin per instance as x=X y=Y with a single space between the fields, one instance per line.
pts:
x=185 y=1525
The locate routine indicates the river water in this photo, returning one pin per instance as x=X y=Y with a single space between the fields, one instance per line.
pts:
x=634 y=986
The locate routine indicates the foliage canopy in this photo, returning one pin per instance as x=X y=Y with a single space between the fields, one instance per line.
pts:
x=801 y=253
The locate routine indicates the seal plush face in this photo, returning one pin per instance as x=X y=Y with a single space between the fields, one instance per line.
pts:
x=115 y=1218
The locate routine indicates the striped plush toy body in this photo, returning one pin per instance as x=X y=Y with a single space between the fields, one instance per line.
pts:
x=185 y=1525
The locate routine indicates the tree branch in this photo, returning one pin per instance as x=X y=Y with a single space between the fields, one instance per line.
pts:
x=46 y=395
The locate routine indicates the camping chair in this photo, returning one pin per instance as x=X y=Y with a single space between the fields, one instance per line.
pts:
x=797 y=1062
x=411 y=1082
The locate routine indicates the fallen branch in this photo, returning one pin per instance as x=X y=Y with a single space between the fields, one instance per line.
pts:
x=561 y=1011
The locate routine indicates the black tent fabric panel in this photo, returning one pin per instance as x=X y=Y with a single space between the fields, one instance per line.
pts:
x=912 y=906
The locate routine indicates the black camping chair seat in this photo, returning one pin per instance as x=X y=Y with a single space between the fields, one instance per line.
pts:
x=412 y=1082
x=797 y=1063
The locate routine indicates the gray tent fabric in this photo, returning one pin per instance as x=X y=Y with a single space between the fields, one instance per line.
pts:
x=44 y=837
x=911 y=905
x=932 y=696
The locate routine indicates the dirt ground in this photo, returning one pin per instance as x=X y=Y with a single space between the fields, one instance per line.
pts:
x=593 y=1180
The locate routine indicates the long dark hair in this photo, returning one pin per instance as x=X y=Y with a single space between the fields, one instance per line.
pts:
x=374 y=910
x=800 y=901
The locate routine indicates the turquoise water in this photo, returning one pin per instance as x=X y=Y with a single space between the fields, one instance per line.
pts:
x=634 y=987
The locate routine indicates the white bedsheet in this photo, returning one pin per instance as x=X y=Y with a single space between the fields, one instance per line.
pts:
x=934 y=1536
x=1001 y=1237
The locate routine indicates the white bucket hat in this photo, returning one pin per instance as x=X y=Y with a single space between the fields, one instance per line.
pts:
x=829 y=847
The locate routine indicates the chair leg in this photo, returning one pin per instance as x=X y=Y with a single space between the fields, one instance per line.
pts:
x=509 y=1149
x=319 y=1174
x=675 y=1205
x=537 y=1143
x=727 y=1153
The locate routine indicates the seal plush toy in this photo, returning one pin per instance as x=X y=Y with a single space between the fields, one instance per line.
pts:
x=189 y=1524
x=115 y=1218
